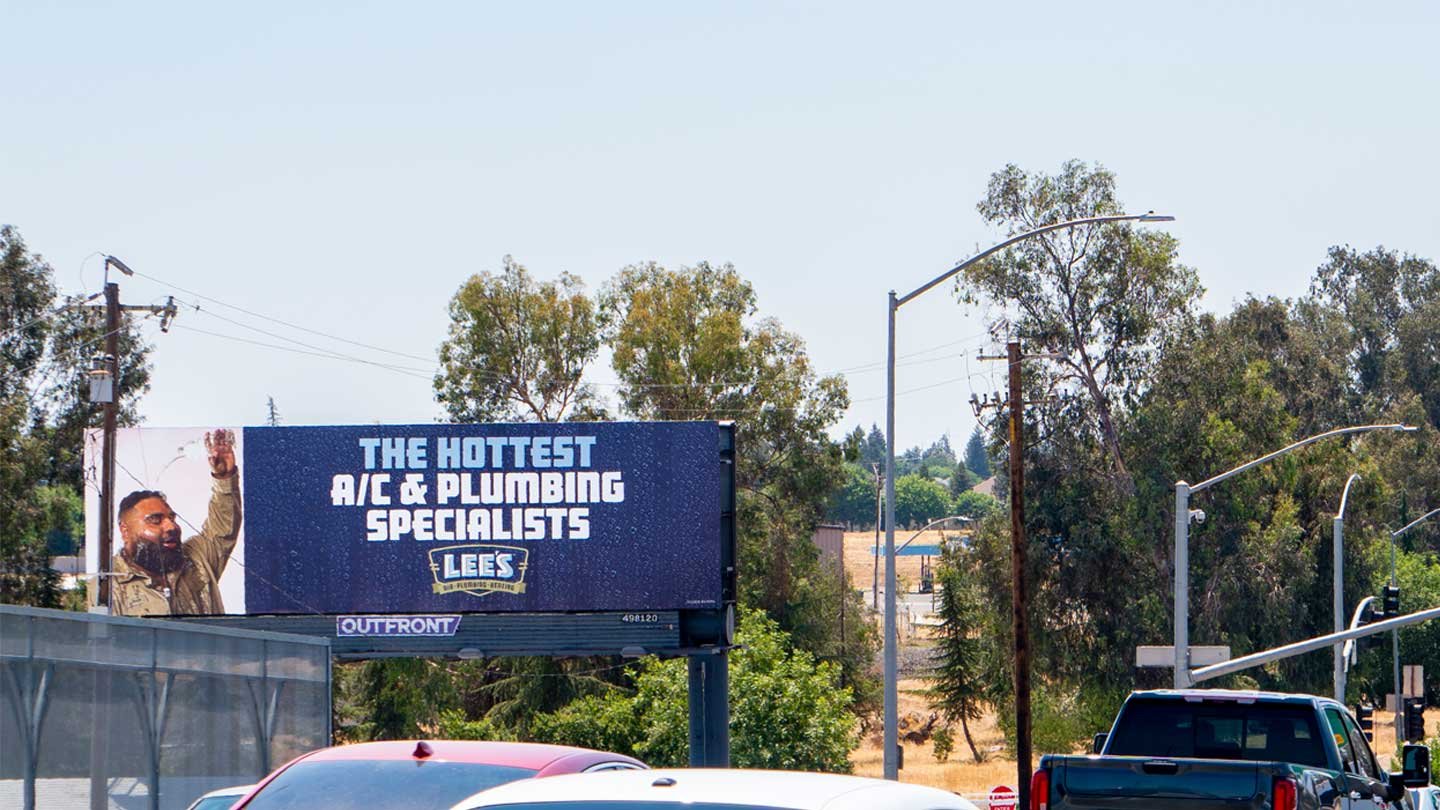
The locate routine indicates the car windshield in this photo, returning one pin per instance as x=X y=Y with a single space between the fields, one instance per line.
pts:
x=217 y=802
x=1257 y=732
x=379 y=785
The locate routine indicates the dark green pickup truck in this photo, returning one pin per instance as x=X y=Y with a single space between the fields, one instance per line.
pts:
x=1204 y=749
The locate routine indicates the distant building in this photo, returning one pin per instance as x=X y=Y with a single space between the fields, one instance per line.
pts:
x=830 y=539
x=71 y=570
x=986 y=487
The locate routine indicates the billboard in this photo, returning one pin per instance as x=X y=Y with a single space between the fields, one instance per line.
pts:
x=417 y=519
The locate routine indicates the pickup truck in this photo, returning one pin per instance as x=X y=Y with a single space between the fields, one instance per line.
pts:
x=1204 y=749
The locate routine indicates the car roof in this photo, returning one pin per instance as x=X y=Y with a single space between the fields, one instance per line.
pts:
x=534 y=756
x=542 y=758
x=788 y=789
x=1237 y=695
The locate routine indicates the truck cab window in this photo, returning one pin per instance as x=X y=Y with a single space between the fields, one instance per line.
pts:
x=1363 y=755
x=1342 y=740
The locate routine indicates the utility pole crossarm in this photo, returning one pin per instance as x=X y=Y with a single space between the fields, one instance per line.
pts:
x=1297 y=445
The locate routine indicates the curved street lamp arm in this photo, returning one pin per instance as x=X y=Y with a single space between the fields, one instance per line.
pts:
x=1297 y=445
x=1344 y=496
x=1354 y=623
x=926 y=528
x=1412 y=524
x=1149 y=216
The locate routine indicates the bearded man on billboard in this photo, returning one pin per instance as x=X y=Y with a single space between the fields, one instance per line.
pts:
x=155 y=573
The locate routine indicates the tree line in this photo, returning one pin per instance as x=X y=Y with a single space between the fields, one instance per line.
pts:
x=1141 y=389
x=929 y=484
x=686 y=344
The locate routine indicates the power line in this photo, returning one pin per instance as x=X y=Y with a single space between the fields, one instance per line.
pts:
x=493 y=377
x=50 y=314
x=940 y=384
x=277 y=336
x=281 y=322
x=320 y=353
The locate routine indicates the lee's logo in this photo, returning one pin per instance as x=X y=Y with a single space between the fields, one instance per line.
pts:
x=479 y=570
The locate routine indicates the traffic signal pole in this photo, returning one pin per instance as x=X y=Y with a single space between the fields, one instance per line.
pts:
x=1395 y=659
x=1309 y=645
x=1395 y=636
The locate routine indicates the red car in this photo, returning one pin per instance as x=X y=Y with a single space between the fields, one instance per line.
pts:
x=416 y=774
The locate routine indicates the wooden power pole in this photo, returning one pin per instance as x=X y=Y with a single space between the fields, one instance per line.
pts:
x=107 y=452
x=1019 y=601
x=1019 y=597
x=110 y=403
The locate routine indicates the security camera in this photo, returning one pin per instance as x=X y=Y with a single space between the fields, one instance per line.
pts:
x=1197 y=515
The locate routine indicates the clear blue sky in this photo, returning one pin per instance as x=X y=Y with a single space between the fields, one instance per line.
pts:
x=346 y=166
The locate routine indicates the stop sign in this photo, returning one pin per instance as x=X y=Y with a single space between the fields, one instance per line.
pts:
x=1002 y=797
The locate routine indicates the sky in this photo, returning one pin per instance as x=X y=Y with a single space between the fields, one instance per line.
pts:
x=319 y=176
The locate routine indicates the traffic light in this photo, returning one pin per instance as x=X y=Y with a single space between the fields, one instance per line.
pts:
x=1392 y=601
x=1365 y=717
x=1414 y=719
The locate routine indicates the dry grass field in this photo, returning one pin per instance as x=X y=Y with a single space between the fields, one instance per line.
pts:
x=860 y=557
x=961 y=774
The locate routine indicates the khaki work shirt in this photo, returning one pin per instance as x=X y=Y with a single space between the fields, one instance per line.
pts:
x=195 y=588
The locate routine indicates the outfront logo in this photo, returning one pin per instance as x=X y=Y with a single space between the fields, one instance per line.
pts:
x=479 y=569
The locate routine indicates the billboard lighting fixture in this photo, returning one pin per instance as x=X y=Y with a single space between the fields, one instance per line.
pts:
x=469 y=654
x=632 y=651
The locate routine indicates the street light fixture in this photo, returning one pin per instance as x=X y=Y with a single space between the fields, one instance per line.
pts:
x=892 y=763
x=1183 y=516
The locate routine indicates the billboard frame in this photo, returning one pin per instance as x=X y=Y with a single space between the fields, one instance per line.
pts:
x=704 y=637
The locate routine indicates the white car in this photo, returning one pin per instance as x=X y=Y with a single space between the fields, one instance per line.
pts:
x=220 y=799
x=736 y=789
x=1425 y=798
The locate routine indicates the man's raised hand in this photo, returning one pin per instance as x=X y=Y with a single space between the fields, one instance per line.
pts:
x=220 y=445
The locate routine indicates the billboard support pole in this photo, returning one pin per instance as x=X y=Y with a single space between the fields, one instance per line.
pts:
x=709 y=709
x=717 y=709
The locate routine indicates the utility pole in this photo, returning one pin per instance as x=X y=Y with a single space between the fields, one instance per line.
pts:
x=1019 y=601
x=109 y=410
x=107 y=452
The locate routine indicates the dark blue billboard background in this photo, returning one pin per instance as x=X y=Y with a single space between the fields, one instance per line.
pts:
x=513 y=517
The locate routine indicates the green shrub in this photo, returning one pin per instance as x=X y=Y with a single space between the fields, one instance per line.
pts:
x=1057 y=722
x=944 y=743
x=787 y=711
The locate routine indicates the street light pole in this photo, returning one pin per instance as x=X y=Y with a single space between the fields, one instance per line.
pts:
x=890 y=739
x=875 y=580
x=1338 y=600
x=1183 y=516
